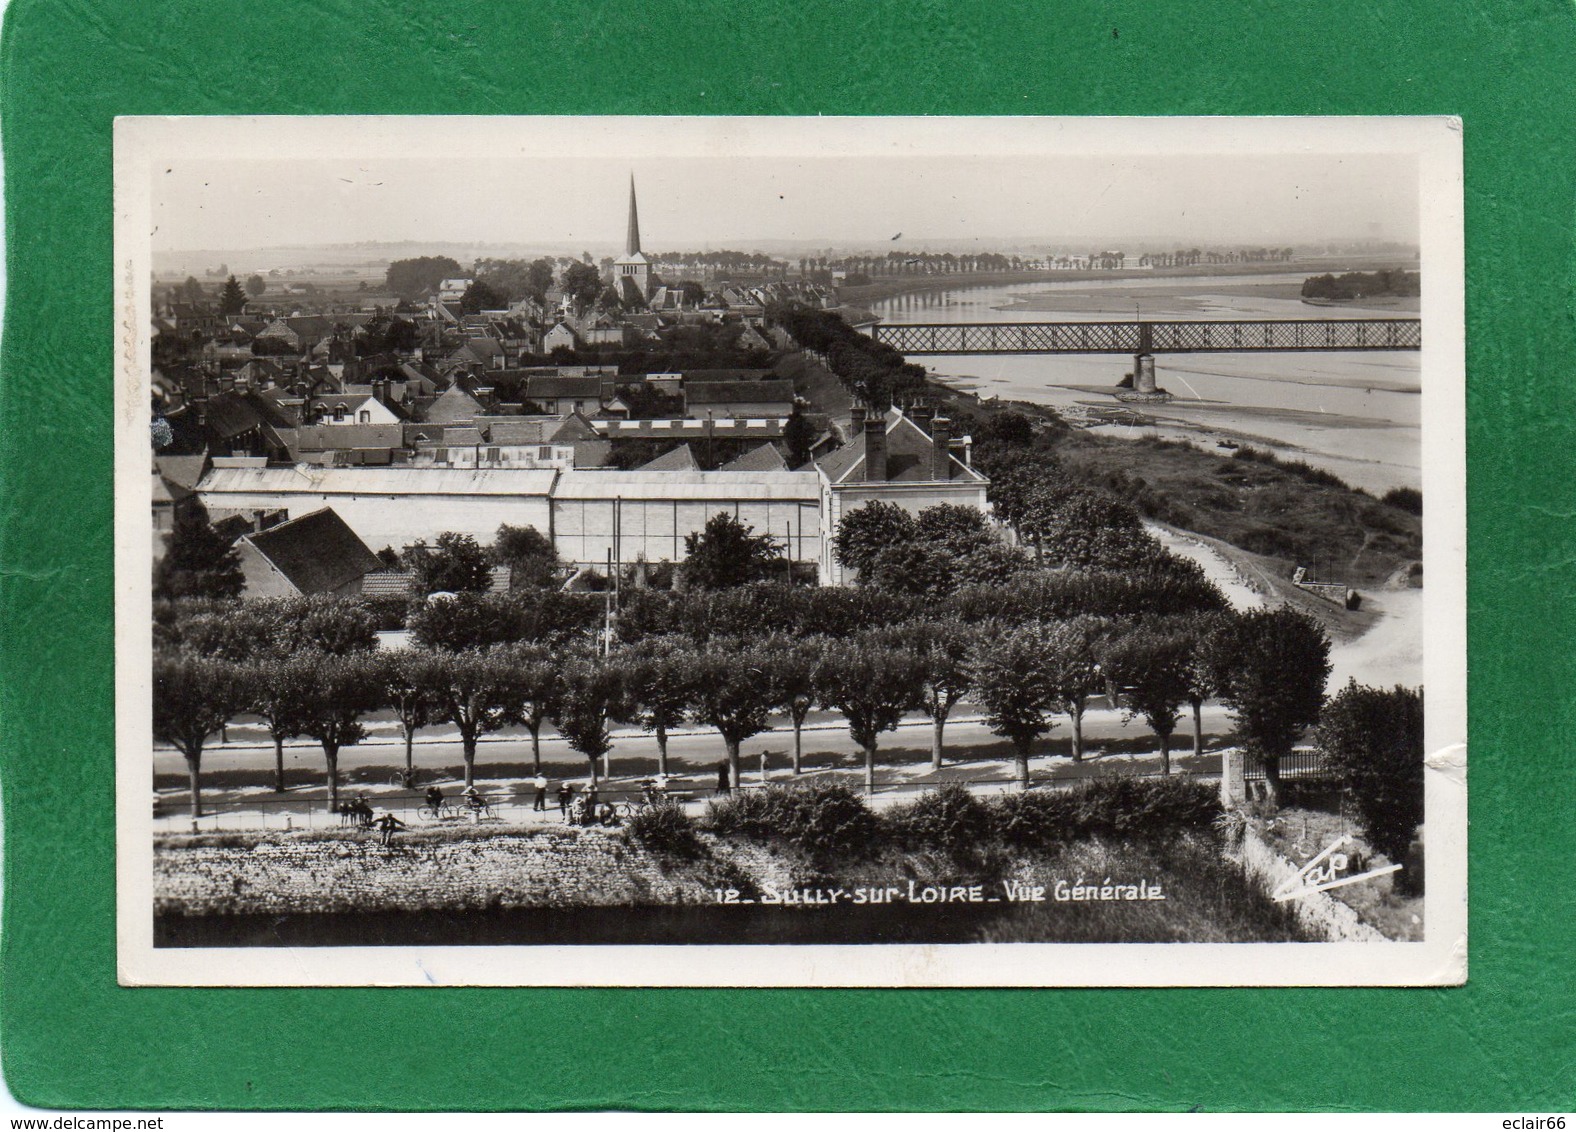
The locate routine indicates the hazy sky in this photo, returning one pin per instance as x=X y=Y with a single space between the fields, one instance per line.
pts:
x=571 y=203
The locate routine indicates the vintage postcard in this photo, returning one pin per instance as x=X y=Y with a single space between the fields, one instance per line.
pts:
x=790 y=552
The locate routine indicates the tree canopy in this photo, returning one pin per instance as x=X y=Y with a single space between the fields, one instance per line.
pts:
x=455 y=564
x=1270 y=667
x=410 y=278
x=727 y=553
x=198 y=561
x=1373 y=739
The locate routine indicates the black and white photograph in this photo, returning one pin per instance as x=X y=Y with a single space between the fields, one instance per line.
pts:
x=799 y=552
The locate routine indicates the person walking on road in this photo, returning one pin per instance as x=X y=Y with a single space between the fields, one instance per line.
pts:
x=540 y=785
x=386 y=825
x=566 y=795
x=723 y=782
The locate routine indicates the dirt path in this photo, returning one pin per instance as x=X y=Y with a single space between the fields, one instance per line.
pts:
x=1231 y=582
x=1392 y=651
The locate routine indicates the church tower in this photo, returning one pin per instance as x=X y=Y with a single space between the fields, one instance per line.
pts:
x=632 y=271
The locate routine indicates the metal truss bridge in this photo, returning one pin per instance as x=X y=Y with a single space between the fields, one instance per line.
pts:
x=1150 y=337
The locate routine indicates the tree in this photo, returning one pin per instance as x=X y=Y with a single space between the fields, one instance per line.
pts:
x=480 y=297
x=409 y=278
x=198 y=561
x=273 y=686
x=232 y=300
x=582 y=282
x=192 y=698
x=1153 y=667
x=536 y=690
x=539 y=277
x=733 y=688
x=954 y=528
x=471 y=620
x=1199 y=628
x=1014 y=684
x=456 y=564
x=866 y=531
x=658 y=683
x=913 y=568
x=798 y=437
x=1373 y=739
x=1270 y=667
x=337 y=692
x=796 y=670
x=594 y=696
x=1073 y=666
x=529 y=554
x=693 y=293
x=256 y=285
x=872 y=682
x=727 y=553
x=405 y=678
x=323 y=623
x=474 y=690
x=190 y=292
x=945 y=649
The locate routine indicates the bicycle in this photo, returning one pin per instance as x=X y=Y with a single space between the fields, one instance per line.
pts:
x=398 y=780
x=431 y=812
x=479 y=806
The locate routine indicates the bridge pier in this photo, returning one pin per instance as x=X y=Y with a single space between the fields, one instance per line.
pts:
x=1143 y=373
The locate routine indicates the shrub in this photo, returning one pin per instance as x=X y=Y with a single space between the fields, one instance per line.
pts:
x=949 y=820
x=1407 y=499
x=388 y=611
x=826 y=821
x=664 y=829
x=1373 y=738
x=1122 y=808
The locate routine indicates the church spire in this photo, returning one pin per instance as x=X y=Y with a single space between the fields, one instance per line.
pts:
x=632 y=241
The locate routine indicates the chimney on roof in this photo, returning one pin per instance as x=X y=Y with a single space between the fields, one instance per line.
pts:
x=380 y=391
x=875 y=449
x=922 y=415
x=941 y=449
x=858 y=412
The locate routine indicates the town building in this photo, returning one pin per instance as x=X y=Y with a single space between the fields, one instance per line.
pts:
x=317 y=553
x=645 y=513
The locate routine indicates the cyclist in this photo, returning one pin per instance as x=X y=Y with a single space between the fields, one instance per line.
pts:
x=435 y=799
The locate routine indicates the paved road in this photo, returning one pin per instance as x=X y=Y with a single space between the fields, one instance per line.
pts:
x=696 y=752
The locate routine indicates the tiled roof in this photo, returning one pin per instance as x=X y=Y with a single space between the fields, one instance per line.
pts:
x=229 y=414
x=766 y=458
x=317 y=552
x=181 y=471
x=541 y=388
x=909 y=450
x=679 y=459
x=723 y=392
x=322 y=438
x=699 y=376
x=453 y=406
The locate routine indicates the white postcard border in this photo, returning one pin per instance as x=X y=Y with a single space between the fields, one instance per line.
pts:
x=1440 y=960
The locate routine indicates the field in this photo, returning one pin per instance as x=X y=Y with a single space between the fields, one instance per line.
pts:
x=1274 y=511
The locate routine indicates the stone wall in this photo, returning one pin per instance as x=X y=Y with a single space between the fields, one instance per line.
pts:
x=1319 y=912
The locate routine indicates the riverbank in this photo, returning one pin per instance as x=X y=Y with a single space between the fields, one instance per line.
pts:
x=880 y=289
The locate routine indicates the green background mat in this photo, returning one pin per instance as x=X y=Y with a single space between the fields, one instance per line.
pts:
x=71 y=1037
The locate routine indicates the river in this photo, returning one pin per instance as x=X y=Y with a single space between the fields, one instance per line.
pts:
x=1356 y=414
